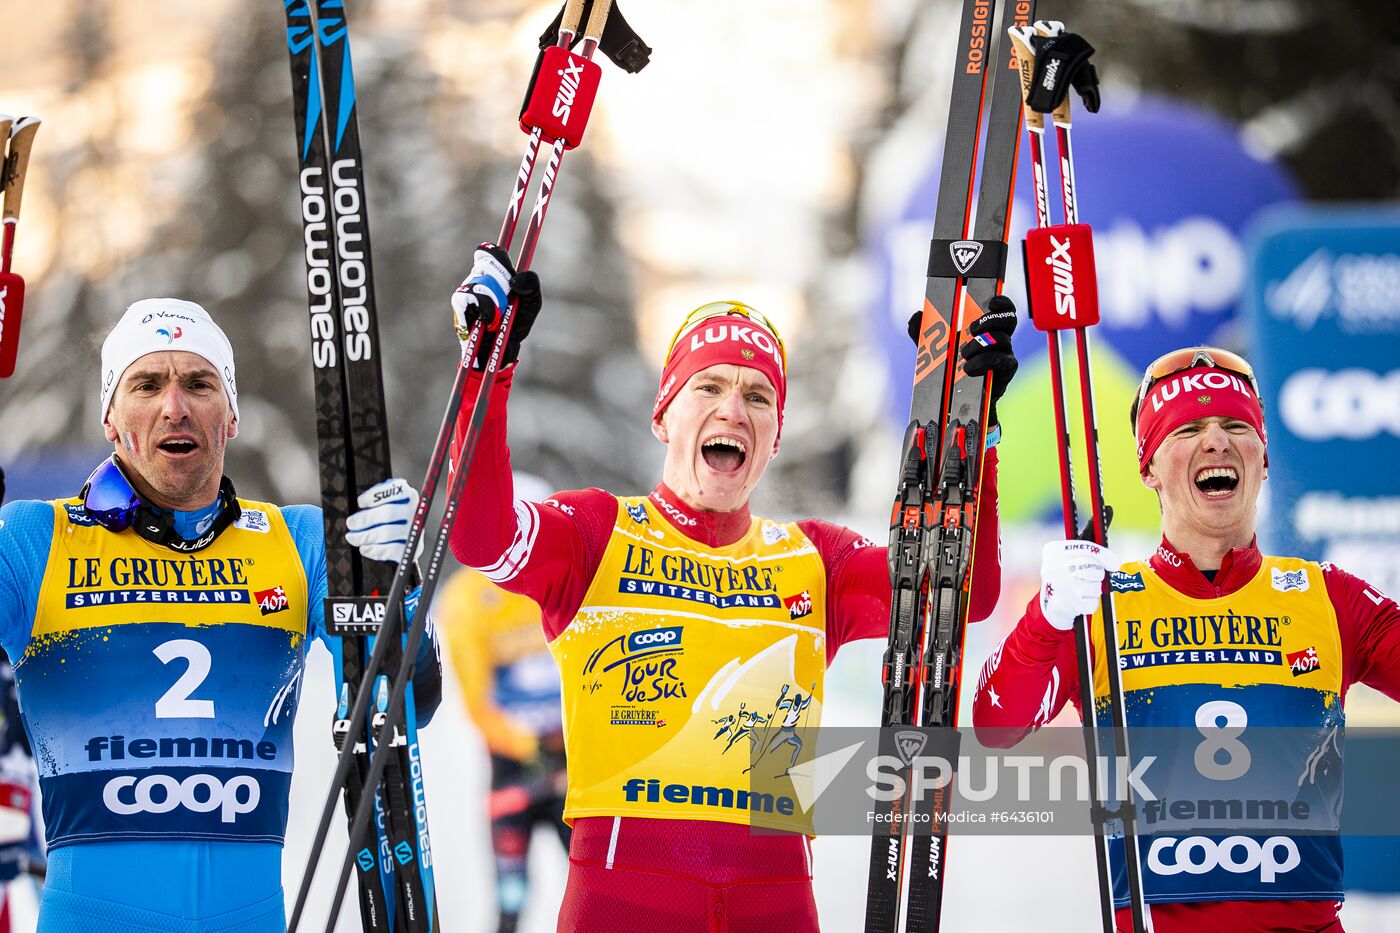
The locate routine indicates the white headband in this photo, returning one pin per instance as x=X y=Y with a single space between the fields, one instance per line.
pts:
x=156 y=324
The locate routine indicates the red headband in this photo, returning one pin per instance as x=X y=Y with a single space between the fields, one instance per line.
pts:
x=1191 y=394
x=729 y=338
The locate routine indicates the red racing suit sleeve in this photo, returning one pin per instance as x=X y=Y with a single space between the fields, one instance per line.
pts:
x=1369 y=623
x=858 y=572
x=548 y=551
x=1026 y=681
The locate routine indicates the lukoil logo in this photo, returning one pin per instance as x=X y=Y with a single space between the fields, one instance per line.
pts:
x=1351 y=404
x=1240 y=855
x=202 y=793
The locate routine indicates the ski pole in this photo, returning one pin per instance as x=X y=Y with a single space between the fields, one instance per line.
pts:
x=393 y=620
x=1069 y=302
x=16 y=142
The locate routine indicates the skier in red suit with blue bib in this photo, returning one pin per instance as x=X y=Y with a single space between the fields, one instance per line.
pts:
x=1211 y=632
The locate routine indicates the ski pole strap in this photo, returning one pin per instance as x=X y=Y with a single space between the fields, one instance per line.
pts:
x=619 y=42
x=968 y=259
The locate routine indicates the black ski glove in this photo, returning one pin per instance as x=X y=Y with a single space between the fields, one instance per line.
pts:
x=989 y=350
x=1061 y=61
x=493 y=281
x=1087 y=532
x=992 y=353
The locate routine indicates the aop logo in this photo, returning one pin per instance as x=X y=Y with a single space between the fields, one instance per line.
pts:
x=1353 y=404
x=202 y=793
x=1240 y=855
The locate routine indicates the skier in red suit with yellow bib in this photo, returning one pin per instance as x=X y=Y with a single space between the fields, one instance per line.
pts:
x=681 y=624
x=1211 y=632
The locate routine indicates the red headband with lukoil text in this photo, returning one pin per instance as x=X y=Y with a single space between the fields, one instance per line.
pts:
x=728 y=338
x=1185 y=396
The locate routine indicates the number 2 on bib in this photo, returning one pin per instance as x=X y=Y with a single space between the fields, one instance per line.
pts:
x=176 y=703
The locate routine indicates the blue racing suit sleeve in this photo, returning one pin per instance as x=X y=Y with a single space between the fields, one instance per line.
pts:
x=26 y=534
x=305 y=523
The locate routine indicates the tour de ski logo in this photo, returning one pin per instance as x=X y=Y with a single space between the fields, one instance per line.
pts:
x=644 y=669
x=799 y=605
x=638 y=512
x=1285 y=580
x=1304 y=662
x=270 y=601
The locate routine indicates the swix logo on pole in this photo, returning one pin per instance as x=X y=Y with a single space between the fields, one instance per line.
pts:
x=1060 y=277
x=561 y=98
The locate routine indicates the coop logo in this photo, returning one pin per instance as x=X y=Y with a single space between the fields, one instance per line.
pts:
x=1350 y=404
x=799 y=605
x=1239 y=855
x=169 y=335
x=200 y=793
x=270 y=601
x=655 y=638
x=1304 y=662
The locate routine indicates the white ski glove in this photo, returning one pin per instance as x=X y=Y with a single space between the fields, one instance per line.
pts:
x=380 y=528
x=484 y=291
x=1071 y=580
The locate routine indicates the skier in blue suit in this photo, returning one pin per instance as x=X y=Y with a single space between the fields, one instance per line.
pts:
x=159 y=625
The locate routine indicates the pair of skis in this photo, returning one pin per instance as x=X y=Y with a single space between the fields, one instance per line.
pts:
x=393 y=862
x=16 y=142
x=556 y=113
x=935 y=509
x=1062 y=290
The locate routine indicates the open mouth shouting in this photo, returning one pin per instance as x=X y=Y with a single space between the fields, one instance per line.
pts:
x=725 y=453
x=1217 y=482
x=178 y=446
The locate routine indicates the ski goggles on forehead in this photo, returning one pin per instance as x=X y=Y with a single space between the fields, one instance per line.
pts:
x=1191 y=358
x=724 y=309
x=109 y=498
